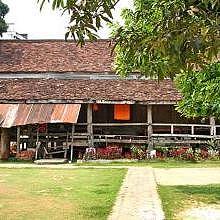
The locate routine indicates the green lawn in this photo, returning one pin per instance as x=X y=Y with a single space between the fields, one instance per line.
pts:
x=178 y=198
x=159 y=163
x=58 y=194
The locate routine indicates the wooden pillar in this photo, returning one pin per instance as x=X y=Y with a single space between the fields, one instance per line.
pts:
x=212 y=123
x=150 y=128
x=89 y=125
x=5 y=144
x=37 y=144
x=67 y=141
x=149 y=121
x=71 y=154
x=18 y=138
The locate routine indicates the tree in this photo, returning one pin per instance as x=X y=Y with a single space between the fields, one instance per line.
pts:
x=201 y=92
x=161 y=38
x=86 y=16
x=3 y=11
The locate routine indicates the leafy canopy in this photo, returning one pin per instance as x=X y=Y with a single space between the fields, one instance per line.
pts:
x=86 y=16
x=201 y=92
x=160 y=37
x=3 y=11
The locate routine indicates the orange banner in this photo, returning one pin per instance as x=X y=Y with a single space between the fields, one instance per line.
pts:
x=122 y=112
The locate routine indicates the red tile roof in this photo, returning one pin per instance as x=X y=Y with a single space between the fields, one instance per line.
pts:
x=147 y=91
x=55 y=56
x=43 y=56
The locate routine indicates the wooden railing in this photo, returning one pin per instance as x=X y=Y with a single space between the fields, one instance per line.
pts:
x=159 y=130
x=187 y=130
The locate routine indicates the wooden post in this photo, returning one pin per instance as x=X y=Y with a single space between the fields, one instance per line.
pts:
x=192 y=130
x=172 y=129
x=149 y=121
x=71 y=154
x=67 y=141
x=150 y=127
x=5 y=144
x=212 y=123
x=18 y=138
x=89 y=125
x=37 y=145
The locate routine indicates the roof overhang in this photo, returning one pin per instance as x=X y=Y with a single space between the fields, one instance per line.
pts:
x=24 y=114
x=78 y=101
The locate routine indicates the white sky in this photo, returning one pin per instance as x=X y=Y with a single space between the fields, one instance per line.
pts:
x=47 y=24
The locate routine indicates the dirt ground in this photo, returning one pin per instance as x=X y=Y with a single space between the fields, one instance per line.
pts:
x=210 y=212
x=187 y=176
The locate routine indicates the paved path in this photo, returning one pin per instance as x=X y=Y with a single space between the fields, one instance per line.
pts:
x=138 y=198
x=187 y=176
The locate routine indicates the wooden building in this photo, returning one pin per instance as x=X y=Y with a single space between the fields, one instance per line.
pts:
x=58 y=94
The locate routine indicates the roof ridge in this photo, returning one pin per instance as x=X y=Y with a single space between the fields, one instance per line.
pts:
x=53 y=40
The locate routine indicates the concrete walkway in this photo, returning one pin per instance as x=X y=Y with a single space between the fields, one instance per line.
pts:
x=138 y=198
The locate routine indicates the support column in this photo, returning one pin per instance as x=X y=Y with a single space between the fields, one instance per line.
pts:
x=89 y=125
x=4 y=144
x=72 y=139
x=18 y=138
x=212 y=123
x=149 y=121
x=149 y=128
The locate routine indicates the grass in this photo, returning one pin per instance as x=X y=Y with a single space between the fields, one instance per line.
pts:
x=175 y=199
x=58 y=194
x=159 y=163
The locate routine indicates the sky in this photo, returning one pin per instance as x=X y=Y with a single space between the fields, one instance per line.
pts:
x=26 y=17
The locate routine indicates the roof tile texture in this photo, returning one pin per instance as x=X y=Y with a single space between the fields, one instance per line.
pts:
x=55 y=56
x=89 y=90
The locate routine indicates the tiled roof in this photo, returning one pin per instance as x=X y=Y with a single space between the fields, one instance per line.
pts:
x=55 y=56
x=88 y=90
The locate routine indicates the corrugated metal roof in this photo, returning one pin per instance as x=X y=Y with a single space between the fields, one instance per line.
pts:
x=23 y=114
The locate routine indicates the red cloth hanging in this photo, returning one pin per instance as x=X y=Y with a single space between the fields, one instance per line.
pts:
x=122 y=112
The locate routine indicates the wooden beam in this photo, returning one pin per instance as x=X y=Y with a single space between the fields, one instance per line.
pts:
x=119 y=124
x=89 y=125
x=82 y=101
x=4 y=144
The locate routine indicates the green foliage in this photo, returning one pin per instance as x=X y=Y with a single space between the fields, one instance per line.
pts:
x=86 y=16
x=201 y=92
x=3 y=11
x=160 y=38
